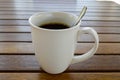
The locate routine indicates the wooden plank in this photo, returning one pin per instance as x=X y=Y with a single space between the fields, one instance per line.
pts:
x=52 y=3
x=104 y=48
x=16 y=48
x=100 y=63
x=72 y=7
x=59 y=9
x=18 y=63
x=57 y=1
x=102 y=38
x=46 y=1
x=108 y=30
x=14 y=22
x=102 y=18
x=62 y=8
x=60 y=2
x=63 y=76
x=94 y=23
x=93 y=13
x=26 y=37
x=85 y=17
x=26 y=29
x=27 y=48
x=27 y=14
x=68 y=7
x=16 y=29
x=13 y=37
x=84 y=23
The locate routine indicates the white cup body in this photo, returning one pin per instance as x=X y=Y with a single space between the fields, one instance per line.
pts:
x=54 y=49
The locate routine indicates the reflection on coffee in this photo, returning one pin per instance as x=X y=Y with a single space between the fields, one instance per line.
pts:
x=55 y=26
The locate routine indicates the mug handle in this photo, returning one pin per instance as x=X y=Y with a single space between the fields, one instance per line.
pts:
x=91 y=52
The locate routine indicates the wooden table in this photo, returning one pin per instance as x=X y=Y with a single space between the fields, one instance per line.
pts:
x=17 y=58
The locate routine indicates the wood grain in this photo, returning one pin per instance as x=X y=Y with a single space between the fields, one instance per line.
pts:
x=64 y=76
x=62 y=4
x=17 y=57
x=26 y=37
x=94 y=23
x=15 y=47
x=28 y=63
x=22 y=17
x=104 y=48
x=102 y=38
x=26 y=29
x=6 y=6
x=27 y=48
x=93 y=12
x=17 y=29
x=84 y=23
x=63 y=8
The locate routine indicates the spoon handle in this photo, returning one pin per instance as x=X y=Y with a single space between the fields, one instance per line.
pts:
x=82 y=13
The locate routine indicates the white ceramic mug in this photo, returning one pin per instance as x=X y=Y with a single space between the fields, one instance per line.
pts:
x=55 y=49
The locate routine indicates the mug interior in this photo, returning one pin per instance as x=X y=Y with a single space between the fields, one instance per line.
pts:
x=41 y=18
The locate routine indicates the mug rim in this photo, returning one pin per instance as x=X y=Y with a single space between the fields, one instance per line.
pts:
x=38 y=13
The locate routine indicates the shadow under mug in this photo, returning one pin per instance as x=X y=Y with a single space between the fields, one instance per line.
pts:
x=54 y=49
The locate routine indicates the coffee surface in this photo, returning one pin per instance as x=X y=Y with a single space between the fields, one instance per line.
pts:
x=54 y=26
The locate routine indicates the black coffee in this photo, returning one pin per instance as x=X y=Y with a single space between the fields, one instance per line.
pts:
x=54 y=26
